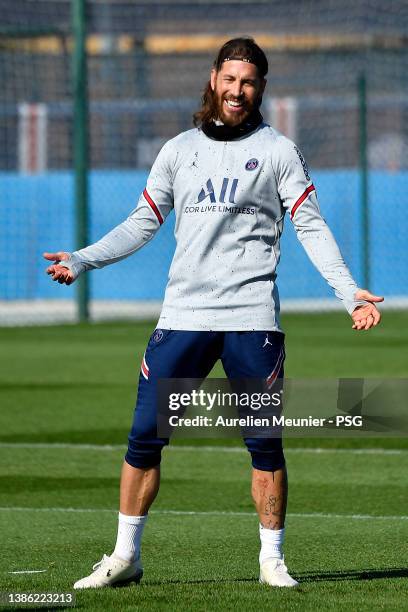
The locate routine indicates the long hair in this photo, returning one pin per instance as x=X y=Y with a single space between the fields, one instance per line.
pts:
x=244 y=49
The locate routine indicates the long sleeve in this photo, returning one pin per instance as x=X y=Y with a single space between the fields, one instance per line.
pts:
x=298 y=196
x=154 y=204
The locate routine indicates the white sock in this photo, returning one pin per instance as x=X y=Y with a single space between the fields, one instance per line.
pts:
x=130 y=529
x=271 y=543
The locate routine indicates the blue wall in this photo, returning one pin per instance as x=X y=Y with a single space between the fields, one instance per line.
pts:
x=37 y=214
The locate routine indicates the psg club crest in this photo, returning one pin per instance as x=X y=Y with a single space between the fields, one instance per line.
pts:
x=252 y=164
x=158 y=335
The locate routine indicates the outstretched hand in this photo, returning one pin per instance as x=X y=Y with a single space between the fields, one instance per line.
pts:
x=366 y=315
x=59 y=273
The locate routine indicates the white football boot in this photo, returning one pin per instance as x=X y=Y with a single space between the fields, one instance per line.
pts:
x=275 y=573
x=111 y=572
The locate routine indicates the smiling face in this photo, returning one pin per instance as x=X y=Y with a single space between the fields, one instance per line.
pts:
x=238 y=91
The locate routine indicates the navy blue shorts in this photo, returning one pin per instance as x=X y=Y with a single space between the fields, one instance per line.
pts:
x=192 y=354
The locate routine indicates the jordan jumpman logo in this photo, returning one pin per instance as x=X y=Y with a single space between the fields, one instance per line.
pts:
x=267 y=341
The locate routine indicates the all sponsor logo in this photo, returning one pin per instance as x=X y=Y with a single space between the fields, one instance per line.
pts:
x=226 y=194
x=252 y=164
x=219 y=198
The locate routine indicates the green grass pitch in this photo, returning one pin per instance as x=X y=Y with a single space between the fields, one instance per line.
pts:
x=67 y=391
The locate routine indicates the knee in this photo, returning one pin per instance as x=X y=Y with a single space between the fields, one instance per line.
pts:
x=266 y=454
x=268 y=462
x=145 y=453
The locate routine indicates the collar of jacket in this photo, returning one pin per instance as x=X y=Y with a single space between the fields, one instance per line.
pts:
x=226 y=132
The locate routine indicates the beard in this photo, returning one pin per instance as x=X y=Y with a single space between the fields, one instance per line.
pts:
x=234 y=117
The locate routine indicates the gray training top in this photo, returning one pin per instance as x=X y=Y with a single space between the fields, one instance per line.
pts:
x=230 y=199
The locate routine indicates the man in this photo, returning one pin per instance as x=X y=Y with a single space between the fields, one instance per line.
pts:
x=230 y=181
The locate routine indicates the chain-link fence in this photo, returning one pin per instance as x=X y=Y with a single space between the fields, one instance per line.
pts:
x=337 y=85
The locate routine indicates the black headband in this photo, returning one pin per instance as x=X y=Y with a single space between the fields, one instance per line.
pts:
x=243 y=50
x=238 y=58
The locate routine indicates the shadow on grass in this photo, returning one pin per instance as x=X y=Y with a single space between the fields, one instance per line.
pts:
x=369 y=574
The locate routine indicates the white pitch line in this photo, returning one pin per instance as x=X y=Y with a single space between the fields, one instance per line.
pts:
x=28 y=572
x=312 y=515
x=205 y=449
x=300 y=449
x=350 y=451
